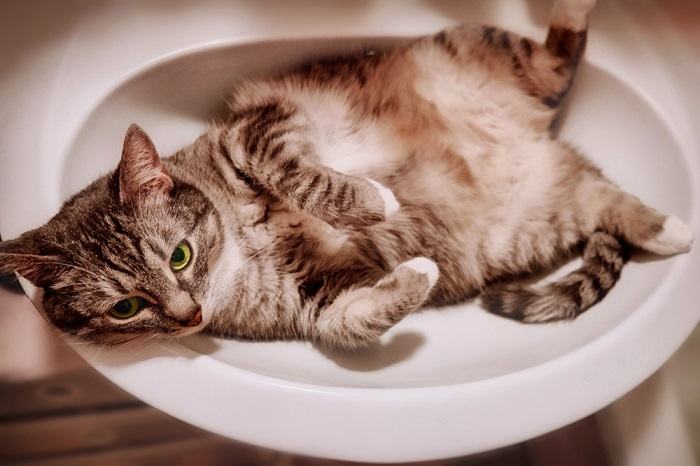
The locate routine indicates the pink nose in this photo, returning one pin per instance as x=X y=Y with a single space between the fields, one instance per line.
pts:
x=195 y=320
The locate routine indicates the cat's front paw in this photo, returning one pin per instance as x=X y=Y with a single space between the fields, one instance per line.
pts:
x=361 y=202
x=388 y=200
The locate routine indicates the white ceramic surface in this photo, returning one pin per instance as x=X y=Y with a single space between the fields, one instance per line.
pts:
x=442 y=383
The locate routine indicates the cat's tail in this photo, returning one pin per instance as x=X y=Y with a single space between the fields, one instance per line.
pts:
x=603 y=258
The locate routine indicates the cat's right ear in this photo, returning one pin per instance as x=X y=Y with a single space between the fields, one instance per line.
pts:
x=24 y=255
x=141 y=174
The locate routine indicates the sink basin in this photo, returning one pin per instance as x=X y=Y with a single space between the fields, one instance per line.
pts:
x=442 y=383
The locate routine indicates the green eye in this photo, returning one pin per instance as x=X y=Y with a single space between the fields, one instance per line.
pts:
x=180 y=256
x=127 y=307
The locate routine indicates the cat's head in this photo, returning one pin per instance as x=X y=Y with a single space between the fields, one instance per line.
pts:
x=128 y=257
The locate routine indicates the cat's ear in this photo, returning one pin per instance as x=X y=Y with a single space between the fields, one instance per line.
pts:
x=141 y=173
x=25 y=256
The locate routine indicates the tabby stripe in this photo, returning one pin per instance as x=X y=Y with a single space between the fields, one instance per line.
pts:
x=487 y=34
x=251 y=133
x=157 y=250
x=127 y=238
x=573 y=292
x=504 y=41
x=217 y=168
x=328 y=190
x=373 y=253
x=550 y=101
x=276 y=150
x=566 y=43
x=270 y=137
x=249 y=181
x=444 y=41
x=595 y=283
x=310 y=188
x=97 y=251
x=341 y=198
x=198 y=218
x=526 y=47
x=290 y=168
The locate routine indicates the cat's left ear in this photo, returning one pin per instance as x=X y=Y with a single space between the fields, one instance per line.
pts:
x=142 y=176
x=25 y=256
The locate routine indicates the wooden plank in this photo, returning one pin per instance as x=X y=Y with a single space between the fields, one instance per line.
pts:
x=29 y=347
x=81 y=390
x=61 y=435
x=209 y=450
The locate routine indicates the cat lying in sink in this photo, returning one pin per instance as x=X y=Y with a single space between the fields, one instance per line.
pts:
x=340 y=196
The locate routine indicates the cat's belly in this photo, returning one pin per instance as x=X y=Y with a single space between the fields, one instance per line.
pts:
x=503 y=213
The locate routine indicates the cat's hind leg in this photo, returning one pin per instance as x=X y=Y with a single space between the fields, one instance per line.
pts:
x=626 y=217
x=565 y=43
x=359 y=316
x=608 y=219
x=545 y=71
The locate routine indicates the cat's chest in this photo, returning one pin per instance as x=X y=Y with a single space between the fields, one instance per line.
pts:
x=344 y=142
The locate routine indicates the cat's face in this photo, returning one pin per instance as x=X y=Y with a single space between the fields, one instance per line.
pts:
x=127 y=258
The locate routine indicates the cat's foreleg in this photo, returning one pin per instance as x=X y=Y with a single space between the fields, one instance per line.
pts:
x=359 y=316
x=272 y=149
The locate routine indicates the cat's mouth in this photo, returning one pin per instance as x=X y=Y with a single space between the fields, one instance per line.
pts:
x=193 y=325
x=195 y=320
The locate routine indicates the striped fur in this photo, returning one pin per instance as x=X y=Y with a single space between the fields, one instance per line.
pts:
x=603 y=258
x=341 y=195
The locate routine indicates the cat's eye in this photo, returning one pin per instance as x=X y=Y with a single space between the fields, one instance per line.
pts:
x=127 y=307
x=181 y=256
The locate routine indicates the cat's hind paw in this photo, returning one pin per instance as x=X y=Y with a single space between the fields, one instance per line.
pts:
x=675 y=237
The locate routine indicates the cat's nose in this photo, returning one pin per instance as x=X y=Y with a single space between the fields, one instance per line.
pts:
x=196 y=319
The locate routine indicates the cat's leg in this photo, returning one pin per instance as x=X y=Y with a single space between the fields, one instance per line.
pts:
x=625 y=216
x=359 y=316
x=589 y=209
x=616 y=218
x=544 y=72
x=271 y=148
x=565 y=44
x=547 y=72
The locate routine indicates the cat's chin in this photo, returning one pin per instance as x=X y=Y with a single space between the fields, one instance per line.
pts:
x=185 y=332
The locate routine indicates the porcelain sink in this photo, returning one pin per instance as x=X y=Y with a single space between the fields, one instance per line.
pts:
x=444 y=382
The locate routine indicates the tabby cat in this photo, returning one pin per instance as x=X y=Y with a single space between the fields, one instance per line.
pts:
x=340 y=196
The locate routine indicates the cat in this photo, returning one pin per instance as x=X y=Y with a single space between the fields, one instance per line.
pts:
x=342 y=195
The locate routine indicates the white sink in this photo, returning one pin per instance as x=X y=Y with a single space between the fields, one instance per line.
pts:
x=444 y=382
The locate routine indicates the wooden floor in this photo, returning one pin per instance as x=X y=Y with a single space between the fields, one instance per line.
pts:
x=55 y=410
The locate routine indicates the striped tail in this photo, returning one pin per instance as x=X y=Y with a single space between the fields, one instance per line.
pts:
x=603 y=259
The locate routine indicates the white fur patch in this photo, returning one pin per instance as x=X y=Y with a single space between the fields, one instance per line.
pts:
x=343 y=144
x=222 y=278
x=391 y=205
x=423 y=265
x=676 y=237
